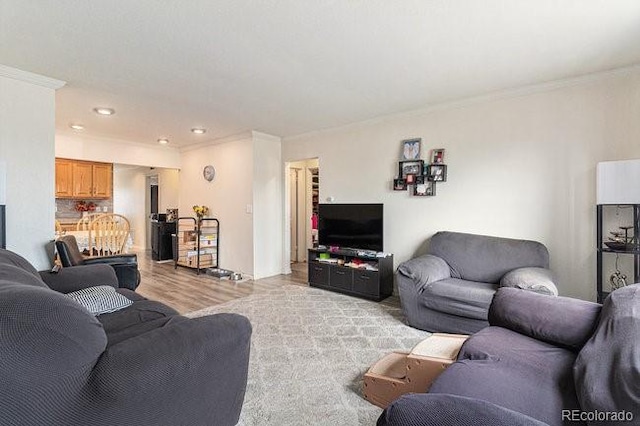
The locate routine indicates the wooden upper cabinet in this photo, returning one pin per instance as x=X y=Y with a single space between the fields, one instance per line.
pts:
x=64 y=178
x=83 y=179
x=102 y=180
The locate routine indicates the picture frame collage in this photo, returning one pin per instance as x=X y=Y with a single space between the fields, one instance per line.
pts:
x=415 y=175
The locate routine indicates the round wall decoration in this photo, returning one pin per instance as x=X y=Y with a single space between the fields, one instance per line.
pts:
x=208 y=173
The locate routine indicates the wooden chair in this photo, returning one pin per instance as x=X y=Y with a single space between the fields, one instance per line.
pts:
x=108 y=234
x=85 y=220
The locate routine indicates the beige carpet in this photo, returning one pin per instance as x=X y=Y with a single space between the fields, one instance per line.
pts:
x=309 y=351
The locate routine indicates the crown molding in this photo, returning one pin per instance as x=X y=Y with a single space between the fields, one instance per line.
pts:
x=265 y=136
x=29 y=77
x=484 y=98
x=532 y=89
x=89 y=137
x=218 y=141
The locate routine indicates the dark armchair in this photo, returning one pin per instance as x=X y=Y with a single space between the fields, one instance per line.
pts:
x=125 y=265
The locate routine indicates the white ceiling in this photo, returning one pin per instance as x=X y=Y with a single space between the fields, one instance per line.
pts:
x=286 y=67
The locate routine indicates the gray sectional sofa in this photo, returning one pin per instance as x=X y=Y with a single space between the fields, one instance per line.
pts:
x=543 y=361
x=450 y=289
x=141 y=365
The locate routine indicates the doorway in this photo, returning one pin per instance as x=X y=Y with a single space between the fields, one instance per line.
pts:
x=304 y=192
x=151 y=204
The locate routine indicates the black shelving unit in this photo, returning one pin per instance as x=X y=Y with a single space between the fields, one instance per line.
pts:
x=632 y=249
x=332 y=274
x=315 y=200
x=315 y=189
x=197 y=243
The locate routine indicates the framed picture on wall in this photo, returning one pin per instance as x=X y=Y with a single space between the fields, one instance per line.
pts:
x=437 y=173
x=400 y=184
x=437 y=156
x=414 y=167
x=425 y=189
x=411 y=149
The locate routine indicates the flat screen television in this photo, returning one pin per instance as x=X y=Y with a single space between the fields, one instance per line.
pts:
x=356 y=226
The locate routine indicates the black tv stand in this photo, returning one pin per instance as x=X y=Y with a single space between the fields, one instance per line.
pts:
x=332 y=274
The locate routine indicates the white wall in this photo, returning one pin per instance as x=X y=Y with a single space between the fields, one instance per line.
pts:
x=227 y=196
x=92 y=148
x=27 y=120
x=519 y=166
x=129 y=200
x=168 y=189
x=267 y=206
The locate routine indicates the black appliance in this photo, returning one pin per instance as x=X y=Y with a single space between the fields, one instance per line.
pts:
x=161 y=245
x=357 y=226
x=159 y=217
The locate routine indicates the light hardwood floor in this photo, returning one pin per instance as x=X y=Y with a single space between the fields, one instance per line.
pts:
x=185 y=291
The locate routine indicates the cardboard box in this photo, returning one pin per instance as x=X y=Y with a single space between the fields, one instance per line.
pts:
x=399 y=373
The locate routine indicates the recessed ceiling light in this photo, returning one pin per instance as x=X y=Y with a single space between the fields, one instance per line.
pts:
x=104 y=111
x=163 y=141
x=76 y=126
x=198 y=130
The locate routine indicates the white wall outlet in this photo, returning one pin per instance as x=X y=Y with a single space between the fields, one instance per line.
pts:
x=105 y=209
x=249 y=208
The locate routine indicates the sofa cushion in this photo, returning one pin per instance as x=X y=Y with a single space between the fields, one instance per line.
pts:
x=459 y=297
x=141 y=311
x=11 y=273
x=34 y=318
x=544 y=317
x=486 y=259
x=119 y=335
x=607 y=371
x=514 y=371
x=424 y=270
x=10 y=258
x=100 y=299
x=432 y=409
x=75 y=278
x=539 y=280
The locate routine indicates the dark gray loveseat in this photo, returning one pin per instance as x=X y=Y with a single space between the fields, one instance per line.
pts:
x=449 y=290
x=543 y=360
x=142 y=365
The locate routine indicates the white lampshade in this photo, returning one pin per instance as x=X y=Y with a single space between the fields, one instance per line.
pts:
x=618 y=182
x=3 y=183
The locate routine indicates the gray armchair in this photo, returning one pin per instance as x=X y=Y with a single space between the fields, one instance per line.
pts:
x=142 y=365
x=450 y=289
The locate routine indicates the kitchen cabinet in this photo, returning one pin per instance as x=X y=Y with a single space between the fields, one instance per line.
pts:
x=83 y=179
x=102 y=180
x=64 y=178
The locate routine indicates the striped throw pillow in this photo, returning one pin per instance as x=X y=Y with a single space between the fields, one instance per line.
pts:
x=101 y=299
